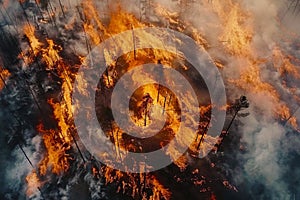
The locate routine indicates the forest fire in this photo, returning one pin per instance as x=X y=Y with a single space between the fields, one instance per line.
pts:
x=60 y=39
x=58 y=142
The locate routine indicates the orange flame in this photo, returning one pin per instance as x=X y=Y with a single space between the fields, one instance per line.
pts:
x=5 y=74
x=237 y=38
x=237 y=33
x=33 y=183
x=284 y=64
x=250 y=80
x=35 y=44
x=159 y=191
x=55 y=157
x=51 y=53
